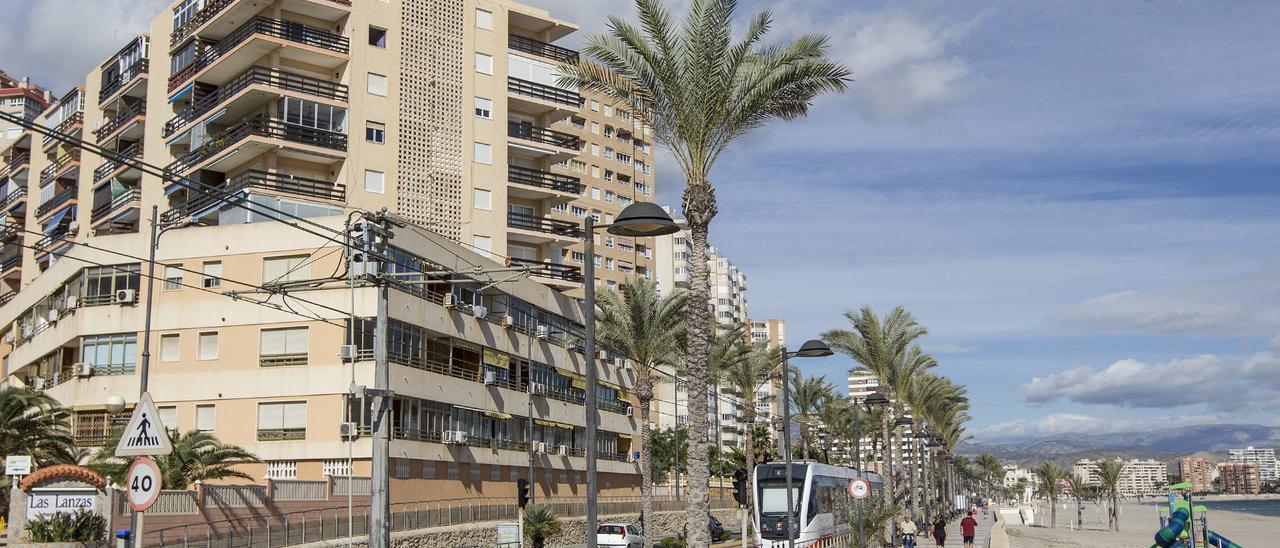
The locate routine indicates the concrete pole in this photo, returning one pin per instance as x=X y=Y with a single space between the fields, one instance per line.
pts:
x=786 y=444
x=589 y=313
x=135 y=518
x=380 y=500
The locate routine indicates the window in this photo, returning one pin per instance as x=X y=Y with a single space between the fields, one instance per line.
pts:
x=560 y=207
x=484 y=19
x=484 y=108
x=182 y=13
x=578 y=256
x=608 y=152
x=484 y=154
x=608 y=196
x=300 y=112
x=483 y=199
x=608 y=110
x=208 y=347
x=287 y=346
x=282 y=469
x=608 y=240
x=110 y=354
x=608 y=174
x=578 y=166
x=375 y=132
x=484 y=63
x=211 y=274
x=483 y=245
x=595 y=171
x=595 y=149
x=168 y=417
x=172 y=277
x=579 y=212
x=595 y=128
x=377 y=84
x=624 y=158
x=170 y=349
x=282 y=420
x=428 y=469
x=374 y=181
x=595 y=193
x=595 y=106
x=608 y=263
x=206 y=416
x=286 y=269
x=402 y=468
x=377 y=37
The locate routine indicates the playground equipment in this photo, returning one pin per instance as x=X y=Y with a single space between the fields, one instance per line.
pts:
x=1185 y=519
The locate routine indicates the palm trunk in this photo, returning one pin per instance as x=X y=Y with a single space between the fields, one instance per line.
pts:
x=1115 y=511
x=1053 y=512
x=891 y=499
x=804 y=440
x=699 y=208
x=1079 y=512
x=749 y=458
x=644 y=394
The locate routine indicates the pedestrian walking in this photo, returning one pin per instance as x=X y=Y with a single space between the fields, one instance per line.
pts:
x=969 y=529
x=940 y=532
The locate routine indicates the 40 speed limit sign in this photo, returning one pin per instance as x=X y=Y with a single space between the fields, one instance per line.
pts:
x=143 y=486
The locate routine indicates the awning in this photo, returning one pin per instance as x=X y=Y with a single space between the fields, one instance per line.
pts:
x=57 y=219
x=553 y=424
x=496 y=358
x=497 y=415
x=466 y=345
x=607 y=384
x=465 y=408
x=578 y=383
x=173 y=98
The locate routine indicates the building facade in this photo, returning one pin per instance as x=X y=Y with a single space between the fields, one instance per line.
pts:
x=1140 y=477
x=1268 y=470
x=446 y=113
x=1199 y=471
x=1238 y=478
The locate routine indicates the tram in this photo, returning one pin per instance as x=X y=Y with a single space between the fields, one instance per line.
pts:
x=822 y=501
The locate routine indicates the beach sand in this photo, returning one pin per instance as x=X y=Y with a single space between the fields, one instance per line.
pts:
x=1138 y=525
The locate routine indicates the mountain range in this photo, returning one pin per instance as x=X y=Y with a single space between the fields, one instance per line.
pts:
x=1165 y=444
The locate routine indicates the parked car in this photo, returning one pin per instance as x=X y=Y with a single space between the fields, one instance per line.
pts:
x=715 y=528
x=619 y=534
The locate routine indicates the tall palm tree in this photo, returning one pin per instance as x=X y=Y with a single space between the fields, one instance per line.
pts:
x=746 y=377
x=880 y=348
x=1078 y=487
x=698 y=91
x=989 y=466
x=939 y=406
x=1109 y=474
x=649 y=331
x=807 y=396
x=729 y=347
x=1051 y=476
x=835 y=413
x=32 y=423
x=196 y=456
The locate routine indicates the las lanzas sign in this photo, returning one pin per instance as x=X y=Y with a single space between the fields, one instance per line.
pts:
x=145 y=435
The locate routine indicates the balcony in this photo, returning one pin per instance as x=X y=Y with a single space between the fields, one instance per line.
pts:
x=113 y=167
x=14 y=163
x=49 y=243
x=13 y=201
x=541 y=98
x=56 y=202
x=71 y=125
x=125 y=83
x=252 y=131
x=218 y=16
x=537 y=142
x=537 y=184
x=257 y=38
x=266 y=84
x=275 y=183
x=122 y=209
x=542 y=49
x=124 y=118
x=539 y=230
x=555 y=274
x=61 y=167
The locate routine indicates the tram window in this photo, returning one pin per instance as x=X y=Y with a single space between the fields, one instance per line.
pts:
x=773 y=498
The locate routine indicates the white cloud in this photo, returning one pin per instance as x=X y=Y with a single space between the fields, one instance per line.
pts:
x=1058 y=424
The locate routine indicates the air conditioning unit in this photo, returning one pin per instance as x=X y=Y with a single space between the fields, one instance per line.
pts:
x=73 y=227
x=8 y=338
x=347 y=352
x=539 y=447
x=480 y=311
x=126 y=296
x=73 y=302
x=631 y=411
x=54 y=314
x=537 y=388
x=620 y=363
x=348 y=430
x=37 y=383
x=83 y=369
x=490 y=378
x=450 y=301
x=563 y=451
x=507 y=320
x=542 y=332
x=455 y=437
x=603 y=355
x=27 y=332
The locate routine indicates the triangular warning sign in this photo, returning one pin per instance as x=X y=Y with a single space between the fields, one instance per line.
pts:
x=145 y=435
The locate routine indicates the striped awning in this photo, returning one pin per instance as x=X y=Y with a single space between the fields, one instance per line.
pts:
x=497 y=415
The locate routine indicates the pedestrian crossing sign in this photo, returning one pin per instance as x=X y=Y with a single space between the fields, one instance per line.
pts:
x=145 y=435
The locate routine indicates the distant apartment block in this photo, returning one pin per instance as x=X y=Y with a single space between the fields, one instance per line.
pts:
x=1140 y=477
x=1199 y=471
x=1268 y=470
x=1239 y=478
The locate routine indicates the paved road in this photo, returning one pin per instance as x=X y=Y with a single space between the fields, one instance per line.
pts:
x=954 y=538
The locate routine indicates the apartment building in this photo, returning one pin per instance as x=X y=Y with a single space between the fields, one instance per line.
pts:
x=1140 y=477
x=1239 y=478
x=22 y=98
x=1268 y=470
x=446 y=113
x=773 y=334
x=1199 y=471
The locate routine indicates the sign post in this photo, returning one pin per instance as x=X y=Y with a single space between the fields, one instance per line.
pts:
x=17 y=465
x=144 y=437
x=143 y=485
x=859 y=488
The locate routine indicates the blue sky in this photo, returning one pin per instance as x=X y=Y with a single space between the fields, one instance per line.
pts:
x=1079 y=200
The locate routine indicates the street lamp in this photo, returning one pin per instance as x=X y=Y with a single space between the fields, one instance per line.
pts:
x=810 y=349
x=876 y=399
x=637 y=220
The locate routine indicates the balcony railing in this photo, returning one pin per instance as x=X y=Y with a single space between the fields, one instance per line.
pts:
x=65 y=126
x=47 y=243
x=546 y=226
x=102 y=211
x=551 y=270
x=139 y=67
x=544 y=179
x=13 y=162
x=211 y=8
x=57 y=200
x=256 y=75
x=280 y=360
x=544 y=92
x=126 y=115
x=277 y=182
x=282 y=434
x=9 y=264
x=13 y=197
x=50 y=173
x=530 y=132
x=111 y=165
x=287 y=30
x=262 y=127
x=543 y=49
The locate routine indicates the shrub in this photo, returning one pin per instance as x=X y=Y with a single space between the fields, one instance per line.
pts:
x=81 y=526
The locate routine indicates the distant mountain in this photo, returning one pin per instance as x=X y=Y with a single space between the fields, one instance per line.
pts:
x=1165 y=444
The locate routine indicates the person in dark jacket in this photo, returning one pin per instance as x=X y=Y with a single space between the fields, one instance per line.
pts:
x=940 y=531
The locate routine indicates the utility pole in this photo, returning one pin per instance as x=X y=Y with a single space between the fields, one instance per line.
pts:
x=376 y=232
x=135 y=518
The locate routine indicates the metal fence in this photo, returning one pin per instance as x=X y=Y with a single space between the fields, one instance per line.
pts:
x=284 y=490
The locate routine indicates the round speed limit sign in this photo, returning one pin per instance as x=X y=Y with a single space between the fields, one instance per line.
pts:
x=143 y=485
x=859 y=488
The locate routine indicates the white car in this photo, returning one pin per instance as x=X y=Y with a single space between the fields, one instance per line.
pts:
x=618 y=534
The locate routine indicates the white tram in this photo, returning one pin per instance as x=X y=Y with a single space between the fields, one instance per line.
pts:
x=821 y=500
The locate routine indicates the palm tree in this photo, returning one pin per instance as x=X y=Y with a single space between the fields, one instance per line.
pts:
x=32 y=423
x=1078 y=487
x=807 y=396
x=880 y=347
x=698 y=91
x=1051 y=476
x=746 y=377
x=1109 y=474
x=649 y=331
x=196 y=456
x=989 y=466
x=835 y=413
x=540 y=524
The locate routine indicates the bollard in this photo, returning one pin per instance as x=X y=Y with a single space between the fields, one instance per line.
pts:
x=122 y=538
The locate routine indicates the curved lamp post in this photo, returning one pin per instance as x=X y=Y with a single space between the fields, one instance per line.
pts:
x=637 y=220
x=876 y=399
x=810 y=349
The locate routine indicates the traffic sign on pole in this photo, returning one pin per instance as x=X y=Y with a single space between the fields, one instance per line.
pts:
x=143 y=485
x=859 y=488
x=145 y=435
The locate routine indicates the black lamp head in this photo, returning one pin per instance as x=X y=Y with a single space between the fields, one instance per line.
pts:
x=813 y=349
x=876 y=398
x=642 y=219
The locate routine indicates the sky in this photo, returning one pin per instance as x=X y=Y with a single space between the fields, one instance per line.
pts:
x=1078 y=200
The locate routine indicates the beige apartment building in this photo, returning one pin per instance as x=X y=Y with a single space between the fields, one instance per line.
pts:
x=1140 y=477
x=1239 y=478
x=447 y=113
x=1199 y=471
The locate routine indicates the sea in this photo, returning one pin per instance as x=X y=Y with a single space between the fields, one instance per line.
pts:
x=1256 y=507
